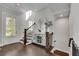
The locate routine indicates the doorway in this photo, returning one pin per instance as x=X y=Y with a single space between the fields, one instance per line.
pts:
x=61 y=34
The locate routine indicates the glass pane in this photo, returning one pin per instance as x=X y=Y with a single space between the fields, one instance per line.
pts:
x=10 y=26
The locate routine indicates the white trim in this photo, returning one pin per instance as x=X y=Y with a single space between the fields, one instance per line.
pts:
x=8 y=43
x=70 y=49
x=61 y=50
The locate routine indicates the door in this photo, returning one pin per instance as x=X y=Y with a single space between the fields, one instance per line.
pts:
x=61 y=34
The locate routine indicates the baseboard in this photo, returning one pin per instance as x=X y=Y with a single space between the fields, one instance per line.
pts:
x=53 y=54
x=39 y=45
x=60 y=53
x=60 y=49
x=9 y=44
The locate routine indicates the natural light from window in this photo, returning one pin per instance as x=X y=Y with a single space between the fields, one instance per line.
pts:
x=10 y=26
x=28 y=14
x=30 y=24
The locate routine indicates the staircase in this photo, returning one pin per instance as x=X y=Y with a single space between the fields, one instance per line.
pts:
x=29 y=39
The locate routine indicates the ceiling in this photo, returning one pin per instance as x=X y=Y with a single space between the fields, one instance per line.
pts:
x=22 y=7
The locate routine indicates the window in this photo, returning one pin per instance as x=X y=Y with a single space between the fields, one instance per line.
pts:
x=28 y=14
x=10 y=26
x=30 y=24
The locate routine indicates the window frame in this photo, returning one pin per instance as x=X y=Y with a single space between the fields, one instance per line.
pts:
x=14 y=27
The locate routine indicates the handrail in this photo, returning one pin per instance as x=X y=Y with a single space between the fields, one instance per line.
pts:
x=30 y=26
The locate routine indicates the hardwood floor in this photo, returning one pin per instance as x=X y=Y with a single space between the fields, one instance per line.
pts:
x=17 y=49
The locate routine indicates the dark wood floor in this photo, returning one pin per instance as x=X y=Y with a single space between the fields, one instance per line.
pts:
x=18 y=49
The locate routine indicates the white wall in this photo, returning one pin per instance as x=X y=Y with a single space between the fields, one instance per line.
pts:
x=74 y=24
x=60 y=25
x=43 y=15
x=61 y=33
x=0 y=28
x=19 y=20
x=75 y=21
x=20 y=23
x=71 y=28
